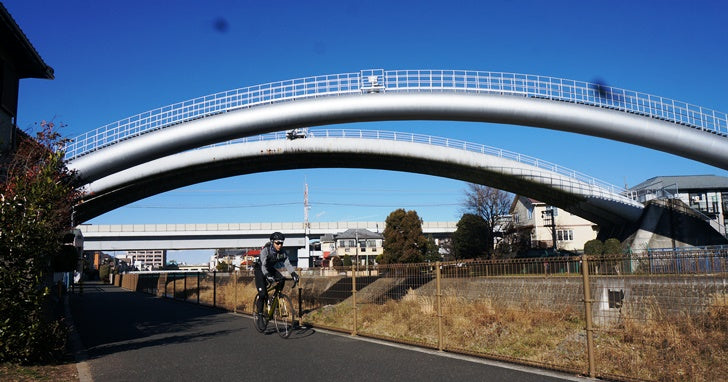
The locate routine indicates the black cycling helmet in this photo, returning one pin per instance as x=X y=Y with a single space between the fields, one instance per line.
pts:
x=277 y=236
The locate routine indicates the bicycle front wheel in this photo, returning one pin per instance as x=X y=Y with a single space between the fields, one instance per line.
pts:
x=259 y=318
x=283 y=316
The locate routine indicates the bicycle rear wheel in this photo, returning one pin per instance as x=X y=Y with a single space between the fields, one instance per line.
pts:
x=283 y=316
x=261 y=321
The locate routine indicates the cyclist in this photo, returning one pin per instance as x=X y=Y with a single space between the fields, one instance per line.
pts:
x=272 y=257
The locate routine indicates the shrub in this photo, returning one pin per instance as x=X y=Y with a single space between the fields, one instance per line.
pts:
x=36 y=197
x=593 y=247
x=612 y=247
x=104 y=271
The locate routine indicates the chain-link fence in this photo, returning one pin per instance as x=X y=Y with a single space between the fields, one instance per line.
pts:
x=658 y=316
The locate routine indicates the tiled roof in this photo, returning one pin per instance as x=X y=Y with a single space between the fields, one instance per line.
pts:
x=361 y=233
x=684 y=183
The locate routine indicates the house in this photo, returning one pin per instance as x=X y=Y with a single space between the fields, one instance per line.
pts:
x=533 y=218
x=368 y=248
x=707 y=194
x=357 y=243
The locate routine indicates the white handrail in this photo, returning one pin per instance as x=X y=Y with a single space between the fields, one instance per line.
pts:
x=379 y=80
x=594 y=185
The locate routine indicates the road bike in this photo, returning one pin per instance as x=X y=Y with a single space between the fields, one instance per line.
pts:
x=278 y=309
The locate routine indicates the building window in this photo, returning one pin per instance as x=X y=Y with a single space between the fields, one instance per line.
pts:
x=564 y=235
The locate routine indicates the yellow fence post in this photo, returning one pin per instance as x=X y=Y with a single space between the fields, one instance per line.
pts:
x=588 y=316
x=439 y=306
x=353 y=294
x=300 y=305
x=235 y=293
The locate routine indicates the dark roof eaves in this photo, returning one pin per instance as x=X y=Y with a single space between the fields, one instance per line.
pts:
x=40 y=68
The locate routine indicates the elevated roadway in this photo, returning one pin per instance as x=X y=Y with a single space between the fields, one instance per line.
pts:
x=124 y=237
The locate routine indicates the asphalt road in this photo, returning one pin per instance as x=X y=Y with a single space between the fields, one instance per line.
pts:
x=128 y=336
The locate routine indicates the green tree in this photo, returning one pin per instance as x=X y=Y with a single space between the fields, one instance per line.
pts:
x=403 y=238
x=346 y=261
x=433 y=251
x=36 y=200
x=470 y=239
x=593 y=247
x=492 y=205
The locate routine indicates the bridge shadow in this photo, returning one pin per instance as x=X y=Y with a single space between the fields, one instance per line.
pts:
x=109 y=319
x=143 y=342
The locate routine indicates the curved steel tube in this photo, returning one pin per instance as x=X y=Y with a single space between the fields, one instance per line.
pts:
x=605 y=123
x=379 y=80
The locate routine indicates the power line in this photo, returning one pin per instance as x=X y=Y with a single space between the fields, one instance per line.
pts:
x=387 y=205
x=296 y=203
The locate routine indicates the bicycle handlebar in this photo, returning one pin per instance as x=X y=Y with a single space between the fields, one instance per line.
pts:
x=284 y=279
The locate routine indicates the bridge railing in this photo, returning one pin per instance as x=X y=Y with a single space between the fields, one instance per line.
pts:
x=378 y=80
x=573 y=181
x=560 y=89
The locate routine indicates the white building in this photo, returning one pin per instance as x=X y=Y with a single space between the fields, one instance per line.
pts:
x=146 y=259
x=534 y=217
x=705 y=193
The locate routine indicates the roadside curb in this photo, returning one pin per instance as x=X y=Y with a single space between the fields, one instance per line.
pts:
x=76 y=346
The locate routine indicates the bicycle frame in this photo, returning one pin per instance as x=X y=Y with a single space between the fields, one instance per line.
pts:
x=273 y=299
x=278 y=308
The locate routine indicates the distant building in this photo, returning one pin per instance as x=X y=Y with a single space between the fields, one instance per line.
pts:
x=147 y=259
x=707 y=194
x=95 y=259
x=239 y=258
x=365 y=244
x=532 y=218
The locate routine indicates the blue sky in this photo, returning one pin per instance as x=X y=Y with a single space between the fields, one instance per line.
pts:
x=113 y=59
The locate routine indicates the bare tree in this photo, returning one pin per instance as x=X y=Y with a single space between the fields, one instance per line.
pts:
x=489 y=203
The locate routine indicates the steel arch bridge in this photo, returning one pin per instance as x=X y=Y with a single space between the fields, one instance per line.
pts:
x=600 y=202
x=378 y=95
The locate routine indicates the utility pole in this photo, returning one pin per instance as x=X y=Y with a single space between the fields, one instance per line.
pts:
x=546 y=215
x=356 y=235
x=306 y=224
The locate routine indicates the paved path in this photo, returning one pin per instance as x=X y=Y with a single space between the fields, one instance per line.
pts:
x=131 y=336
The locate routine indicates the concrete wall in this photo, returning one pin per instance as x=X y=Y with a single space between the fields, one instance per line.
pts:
x=614 y=297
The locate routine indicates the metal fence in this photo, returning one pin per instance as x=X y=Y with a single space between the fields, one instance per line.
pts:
x=648 y=317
